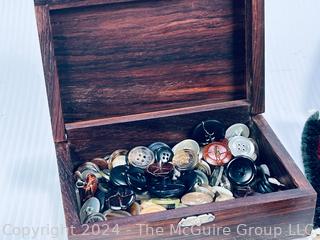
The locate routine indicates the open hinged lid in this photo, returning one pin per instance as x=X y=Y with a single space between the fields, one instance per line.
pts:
x=110 y=60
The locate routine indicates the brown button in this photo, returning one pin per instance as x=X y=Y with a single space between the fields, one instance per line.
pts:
x=196 y=198
x=185 y=159
x=217 y=154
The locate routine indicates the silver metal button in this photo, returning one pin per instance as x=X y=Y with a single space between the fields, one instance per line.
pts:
x=92 y=205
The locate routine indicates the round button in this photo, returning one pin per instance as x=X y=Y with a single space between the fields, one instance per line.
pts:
x=188 y=144
x=95 y=217
x=101 y=163
x=163 y=154
x=167 y=190
x=202 y=178
x=92 y=205
x=120 y=199
x=196 y=198
x=111 y=214
x=222 y=194
x=152 y=209
x=208 y=131
x=217 y=154
x=238 y=129
x=136 y=178
x=204 y=167
x=141 y=157
x=118 y=175
x=241 y=146
x=118 y=158
x=185 y=159
x=161 y=170
x=156 y=145
x=241 y=171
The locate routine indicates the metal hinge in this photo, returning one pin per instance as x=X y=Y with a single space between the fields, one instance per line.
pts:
x=196 y=220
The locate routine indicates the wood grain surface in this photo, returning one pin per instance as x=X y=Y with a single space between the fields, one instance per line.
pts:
x=144 y=56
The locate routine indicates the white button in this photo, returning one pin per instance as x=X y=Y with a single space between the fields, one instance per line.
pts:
x=238 y=129
x=187 y=144
x=242 y=146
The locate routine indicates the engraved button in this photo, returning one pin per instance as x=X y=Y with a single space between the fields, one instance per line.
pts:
x=141 y=157
x=217 y=154
x=238 y=129
x=241 y=146
x=208 y=131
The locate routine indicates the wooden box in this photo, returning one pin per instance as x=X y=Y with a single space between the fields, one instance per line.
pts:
x=122 y=73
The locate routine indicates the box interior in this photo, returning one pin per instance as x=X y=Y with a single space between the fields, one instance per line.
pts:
x=98 y=141
x=136 y=57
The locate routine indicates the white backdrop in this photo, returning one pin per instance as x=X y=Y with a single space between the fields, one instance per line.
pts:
x=30 y=193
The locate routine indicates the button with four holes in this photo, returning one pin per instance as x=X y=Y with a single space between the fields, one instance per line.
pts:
x=242 y=146
x=141 y=157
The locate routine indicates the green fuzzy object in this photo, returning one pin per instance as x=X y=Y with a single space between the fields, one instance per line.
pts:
x=311 y=157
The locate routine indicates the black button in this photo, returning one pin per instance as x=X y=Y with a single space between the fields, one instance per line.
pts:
x=241 y=171
x=120 y=199
x=156 y=145
x=163 y=154
x=118 y=175
x=167 y=190
x=136 y=178
x=188 y=179
x=208 y=131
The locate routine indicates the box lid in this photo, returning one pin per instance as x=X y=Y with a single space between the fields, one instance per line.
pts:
x=108 y=59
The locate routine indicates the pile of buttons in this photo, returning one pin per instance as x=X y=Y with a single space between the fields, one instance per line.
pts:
x=214 y=165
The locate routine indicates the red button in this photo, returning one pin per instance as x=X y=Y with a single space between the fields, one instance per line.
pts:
x=217 y=153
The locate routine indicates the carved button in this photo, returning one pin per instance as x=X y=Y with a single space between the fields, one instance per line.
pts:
x=187 y=144
x=141 y=157
x=241 y=171
x=185 y=159
x=238 y=129
x=217 y=154
x=196 y=198
x=208 y=131
x=241 y=146
x=161 y=170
